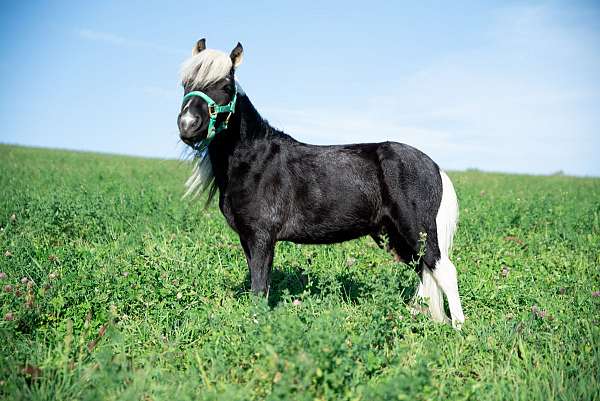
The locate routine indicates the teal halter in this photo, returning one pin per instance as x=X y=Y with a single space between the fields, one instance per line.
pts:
x=213 y=111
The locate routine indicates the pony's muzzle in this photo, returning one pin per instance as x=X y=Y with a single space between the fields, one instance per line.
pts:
x=189 y=128
x=189 y=123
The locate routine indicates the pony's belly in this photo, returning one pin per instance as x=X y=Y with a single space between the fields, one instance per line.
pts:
x=331 y=238
x=329 y=233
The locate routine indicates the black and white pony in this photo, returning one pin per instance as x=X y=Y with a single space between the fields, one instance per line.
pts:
x=273 y=188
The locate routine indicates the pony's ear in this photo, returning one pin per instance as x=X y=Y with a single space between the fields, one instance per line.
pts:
x=237 y=55
x=199 y=46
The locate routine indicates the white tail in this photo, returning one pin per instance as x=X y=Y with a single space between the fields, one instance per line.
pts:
x=445 y=271
x=443 y=277
x=432 y=293
x=447 y=216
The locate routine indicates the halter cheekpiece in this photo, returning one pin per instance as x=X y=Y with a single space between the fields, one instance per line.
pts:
x=213 y=111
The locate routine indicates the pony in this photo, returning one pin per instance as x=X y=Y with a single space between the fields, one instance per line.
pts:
x=272 y=187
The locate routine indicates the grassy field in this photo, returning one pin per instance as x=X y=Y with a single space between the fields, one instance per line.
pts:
x=114 y=288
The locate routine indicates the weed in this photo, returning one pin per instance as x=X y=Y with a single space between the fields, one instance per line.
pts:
x=130 y=293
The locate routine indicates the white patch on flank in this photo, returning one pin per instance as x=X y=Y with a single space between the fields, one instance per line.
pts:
x=445 y=271
x=205 y=68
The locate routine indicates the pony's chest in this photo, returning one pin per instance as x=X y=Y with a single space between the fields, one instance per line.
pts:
x=239 y=207
x=226 y=207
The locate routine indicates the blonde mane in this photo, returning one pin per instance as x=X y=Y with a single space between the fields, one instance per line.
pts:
x=205 y=68
x=201 y=71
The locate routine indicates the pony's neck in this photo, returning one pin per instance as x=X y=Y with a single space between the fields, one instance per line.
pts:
x=246 y=128
x=247 y=124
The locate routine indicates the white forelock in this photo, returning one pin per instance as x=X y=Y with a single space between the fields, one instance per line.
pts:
x=205 y=68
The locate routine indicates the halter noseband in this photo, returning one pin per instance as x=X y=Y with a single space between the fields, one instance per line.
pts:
x=213 y=111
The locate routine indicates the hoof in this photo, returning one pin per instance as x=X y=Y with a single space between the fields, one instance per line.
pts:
x=458 y=323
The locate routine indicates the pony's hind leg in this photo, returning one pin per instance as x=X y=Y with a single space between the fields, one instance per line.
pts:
x=444 y=271
x=445 y=276
x=430 y=291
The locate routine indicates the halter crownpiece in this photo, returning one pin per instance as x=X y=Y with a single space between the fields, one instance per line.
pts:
x=213 y=111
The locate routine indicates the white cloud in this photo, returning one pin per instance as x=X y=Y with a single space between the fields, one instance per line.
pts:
x=121 y=41
x=522 y=102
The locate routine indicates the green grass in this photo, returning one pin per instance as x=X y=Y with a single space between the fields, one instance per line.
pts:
x=136 y=294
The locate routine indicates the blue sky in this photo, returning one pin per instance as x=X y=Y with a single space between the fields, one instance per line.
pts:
x=499 y=86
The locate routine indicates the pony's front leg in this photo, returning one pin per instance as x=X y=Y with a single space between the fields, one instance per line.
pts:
x=259 y=250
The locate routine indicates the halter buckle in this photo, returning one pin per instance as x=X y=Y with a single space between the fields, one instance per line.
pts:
x=212 y=110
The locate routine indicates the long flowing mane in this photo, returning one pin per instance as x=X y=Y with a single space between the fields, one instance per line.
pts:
x=200 y=71
x=205 y=68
